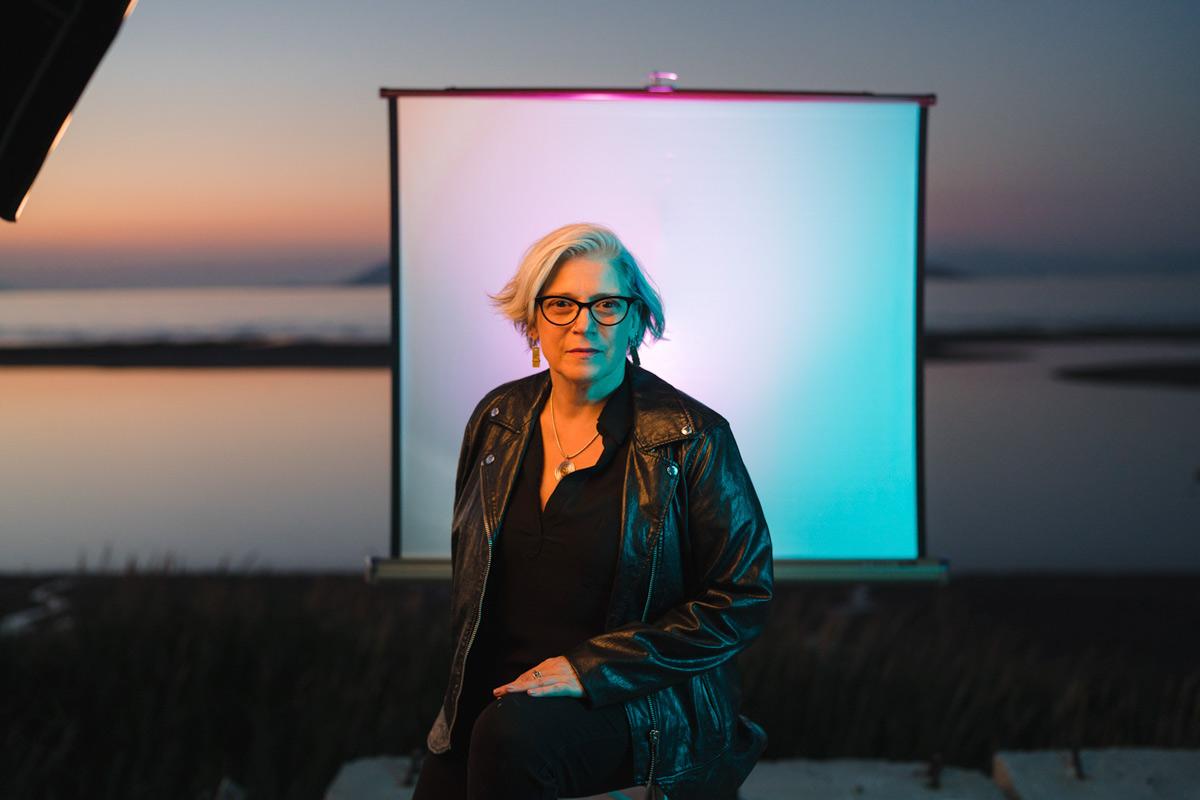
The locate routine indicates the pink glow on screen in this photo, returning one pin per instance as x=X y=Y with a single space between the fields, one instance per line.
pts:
x=660 y=93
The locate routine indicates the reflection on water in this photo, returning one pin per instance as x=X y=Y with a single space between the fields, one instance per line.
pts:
x=1026 y=471
x=289 y=468
x=285 y=468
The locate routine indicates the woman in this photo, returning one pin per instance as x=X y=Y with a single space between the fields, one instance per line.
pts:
x=609 y=556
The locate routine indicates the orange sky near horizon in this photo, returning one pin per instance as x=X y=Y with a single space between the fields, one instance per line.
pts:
x=226 y=132
x=143 y=192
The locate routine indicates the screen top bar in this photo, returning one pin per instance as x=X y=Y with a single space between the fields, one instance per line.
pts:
x=664 y=93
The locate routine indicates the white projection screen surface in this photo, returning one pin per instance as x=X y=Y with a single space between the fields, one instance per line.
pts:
x=784 y=233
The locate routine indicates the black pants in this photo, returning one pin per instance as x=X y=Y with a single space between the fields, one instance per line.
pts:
x=520 y=747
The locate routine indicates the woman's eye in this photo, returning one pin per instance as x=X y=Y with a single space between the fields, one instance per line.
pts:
x=560 y=305
x=607 y=305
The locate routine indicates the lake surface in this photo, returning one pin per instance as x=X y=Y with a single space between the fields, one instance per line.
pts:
x=1024 y=471
x=281 y=468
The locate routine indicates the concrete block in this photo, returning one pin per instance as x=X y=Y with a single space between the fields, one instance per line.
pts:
x=384 y=778
x=1118 y=773
x=380 y=778
x=863 y=779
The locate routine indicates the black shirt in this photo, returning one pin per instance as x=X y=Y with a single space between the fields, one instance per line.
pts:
x=552 y=571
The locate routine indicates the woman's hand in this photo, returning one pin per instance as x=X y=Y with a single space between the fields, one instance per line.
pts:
x=557 y=679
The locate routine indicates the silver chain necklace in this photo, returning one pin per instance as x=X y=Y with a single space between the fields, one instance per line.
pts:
x=566 y=466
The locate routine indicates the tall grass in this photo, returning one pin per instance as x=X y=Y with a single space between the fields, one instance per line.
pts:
x=164 y=683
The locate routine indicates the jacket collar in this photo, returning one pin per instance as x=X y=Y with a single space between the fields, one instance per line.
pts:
x=659 y=414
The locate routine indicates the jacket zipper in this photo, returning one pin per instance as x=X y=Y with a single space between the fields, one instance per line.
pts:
x=654 y=732
x=479 y=613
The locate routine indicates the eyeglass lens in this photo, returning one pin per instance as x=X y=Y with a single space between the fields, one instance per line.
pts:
x=606 y=311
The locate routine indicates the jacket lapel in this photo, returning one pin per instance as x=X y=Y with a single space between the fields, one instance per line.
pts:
x=509 y=421
x=658 y=419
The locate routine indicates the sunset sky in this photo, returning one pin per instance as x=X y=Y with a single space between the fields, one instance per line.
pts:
x=240 y=143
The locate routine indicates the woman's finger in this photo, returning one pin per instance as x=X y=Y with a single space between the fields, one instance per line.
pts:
x=556 y=678
x=548 y=690
x=524 y=682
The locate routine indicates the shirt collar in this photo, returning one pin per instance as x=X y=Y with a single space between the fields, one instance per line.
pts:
x=616 y=417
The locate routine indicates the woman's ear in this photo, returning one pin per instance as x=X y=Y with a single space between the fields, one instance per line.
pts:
x=638 y=325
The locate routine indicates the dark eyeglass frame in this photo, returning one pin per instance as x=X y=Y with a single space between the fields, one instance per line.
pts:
x=579 y=306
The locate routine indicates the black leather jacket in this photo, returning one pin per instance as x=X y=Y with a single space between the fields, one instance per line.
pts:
x=693 y=582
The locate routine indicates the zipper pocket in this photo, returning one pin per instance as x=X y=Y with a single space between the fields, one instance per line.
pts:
x=653 y=570
x=654 y=736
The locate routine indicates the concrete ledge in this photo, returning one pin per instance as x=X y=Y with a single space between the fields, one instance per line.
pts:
x=1112 y=774
x=1119 y=773
x=388 y=778
x=380 y=778
x=862 y=779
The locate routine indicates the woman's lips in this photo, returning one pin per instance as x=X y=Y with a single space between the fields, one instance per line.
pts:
x=583 y=352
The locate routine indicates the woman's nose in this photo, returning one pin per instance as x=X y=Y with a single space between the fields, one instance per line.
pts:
x=584 y=322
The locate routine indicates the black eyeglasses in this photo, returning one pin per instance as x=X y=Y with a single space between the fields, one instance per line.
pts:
x=559 y=310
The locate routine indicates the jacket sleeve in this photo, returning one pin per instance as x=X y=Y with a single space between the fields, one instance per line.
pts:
x=731 y=554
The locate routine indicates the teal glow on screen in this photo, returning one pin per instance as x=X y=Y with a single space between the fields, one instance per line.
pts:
x=782 y=236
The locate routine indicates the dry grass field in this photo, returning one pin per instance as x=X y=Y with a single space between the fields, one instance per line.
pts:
x=158 y=684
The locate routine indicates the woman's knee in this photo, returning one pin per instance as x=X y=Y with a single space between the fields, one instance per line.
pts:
x=516 y=730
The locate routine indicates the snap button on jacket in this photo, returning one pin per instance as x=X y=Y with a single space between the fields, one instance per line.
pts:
x=692 y=587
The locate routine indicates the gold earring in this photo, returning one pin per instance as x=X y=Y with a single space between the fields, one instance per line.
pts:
x=537 y=357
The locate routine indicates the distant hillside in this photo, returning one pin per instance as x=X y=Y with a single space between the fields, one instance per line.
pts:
x=378 y=275
x=955 y=264
x=938 y=270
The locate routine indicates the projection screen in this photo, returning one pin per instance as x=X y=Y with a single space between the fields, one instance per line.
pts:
x=784 y=232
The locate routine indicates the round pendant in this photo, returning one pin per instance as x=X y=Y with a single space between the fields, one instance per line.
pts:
x=565 y=468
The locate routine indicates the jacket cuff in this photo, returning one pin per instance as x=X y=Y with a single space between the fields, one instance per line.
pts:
x=587 y=670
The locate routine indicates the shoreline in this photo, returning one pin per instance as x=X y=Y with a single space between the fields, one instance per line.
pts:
x=950 y=346
x=202 y=354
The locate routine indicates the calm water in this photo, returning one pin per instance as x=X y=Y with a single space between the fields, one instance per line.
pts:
x=288 y=468
x=1023 y=471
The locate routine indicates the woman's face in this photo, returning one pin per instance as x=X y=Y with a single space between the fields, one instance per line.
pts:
x=584 y=351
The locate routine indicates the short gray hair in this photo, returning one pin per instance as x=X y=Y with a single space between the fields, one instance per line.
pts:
x=546 y=255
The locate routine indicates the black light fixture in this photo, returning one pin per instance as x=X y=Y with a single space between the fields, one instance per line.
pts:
x=48 y=52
